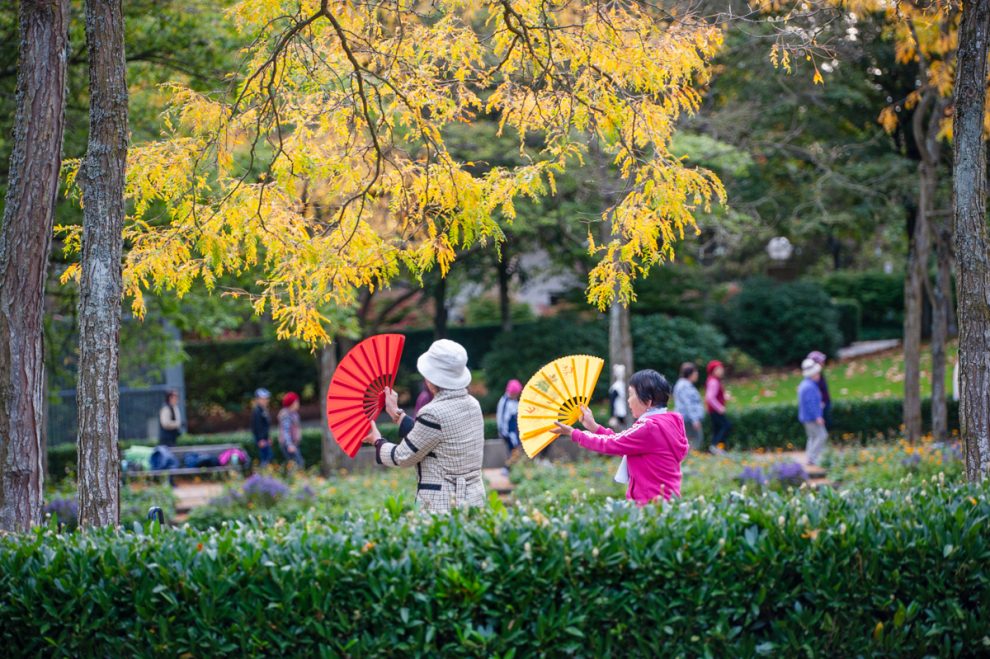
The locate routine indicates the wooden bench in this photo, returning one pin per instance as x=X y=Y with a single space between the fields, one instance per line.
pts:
x=180 y=452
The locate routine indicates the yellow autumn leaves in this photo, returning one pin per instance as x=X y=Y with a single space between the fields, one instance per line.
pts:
x=326 y=169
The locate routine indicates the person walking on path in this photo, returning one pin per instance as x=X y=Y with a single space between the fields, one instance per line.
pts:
x=810 y=410
x=820 y=359
x=261 y=423
x=617 y=398
x=290 y=429
x=169 y=420
x=715 y=398
x=654 y=446
x=446 y=441
x=507 y=421
x=688 y=403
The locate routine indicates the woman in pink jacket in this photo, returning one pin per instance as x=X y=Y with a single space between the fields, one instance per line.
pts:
x=654 y=446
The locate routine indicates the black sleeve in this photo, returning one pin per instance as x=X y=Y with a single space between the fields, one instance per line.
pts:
x=405 y=426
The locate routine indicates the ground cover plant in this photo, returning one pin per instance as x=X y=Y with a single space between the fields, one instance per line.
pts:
x=742 y=574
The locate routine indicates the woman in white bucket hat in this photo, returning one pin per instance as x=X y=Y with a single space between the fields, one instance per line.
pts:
x=446 y=441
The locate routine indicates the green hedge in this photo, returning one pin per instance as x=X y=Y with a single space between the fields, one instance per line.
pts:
x=780 y=323
x=819 y=574
x=62 y=458
x=881 y=297
x=850 y=319
x=768 y=426
x=776 y=426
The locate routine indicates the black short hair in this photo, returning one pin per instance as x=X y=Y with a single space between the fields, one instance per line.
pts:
x=688 y=369
x=650 y=387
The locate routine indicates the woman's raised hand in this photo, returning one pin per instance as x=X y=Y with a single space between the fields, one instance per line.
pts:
x=373 y=435
x=562 y=429
x=391 y=403
x=588 y=420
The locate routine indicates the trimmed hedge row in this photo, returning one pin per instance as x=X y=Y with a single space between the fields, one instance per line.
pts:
x=776 y=426
x=769 y=426
x=62 y=458
x=822 y=574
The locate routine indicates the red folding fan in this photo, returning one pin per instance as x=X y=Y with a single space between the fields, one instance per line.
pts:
x=357 y=391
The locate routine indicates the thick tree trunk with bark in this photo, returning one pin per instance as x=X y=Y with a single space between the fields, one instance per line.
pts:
x=330 y=453
x=25 y=244
x=100 y=291
x=620 y=345
x=969 y=190
x=941 y=312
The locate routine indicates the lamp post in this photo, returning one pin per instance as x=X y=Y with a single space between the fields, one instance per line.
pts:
x=779 y=250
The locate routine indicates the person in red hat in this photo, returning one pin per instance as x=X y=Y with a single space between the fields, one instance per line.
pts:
x=715 y=398
x=290 y=429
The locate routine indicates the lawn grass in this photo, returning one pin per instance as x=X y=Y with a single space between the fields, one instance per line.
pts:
x=868 y=378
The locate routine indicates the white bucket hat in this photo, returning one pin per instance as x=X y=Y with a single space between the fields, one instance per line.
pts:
x=810 y=367
x=445 y=365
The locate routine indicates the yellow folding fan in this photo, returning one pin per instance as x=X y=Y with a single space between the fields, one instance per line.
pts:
x=555 y=393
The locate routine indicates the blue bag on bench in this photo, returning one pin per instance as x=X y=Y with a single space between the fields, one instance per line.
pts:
x=162 y=458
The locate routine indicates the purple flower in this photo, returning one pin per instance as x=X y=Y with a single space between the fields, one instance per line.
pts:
x=753 y=476
x=911 y=461
x=952 y=452
x=305 y=493
x=790 y=473
x=65 y=510
x=264 y=490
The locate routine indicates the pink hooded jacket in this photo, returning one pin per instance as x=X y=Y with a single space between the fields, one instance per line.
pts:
x=654 y=448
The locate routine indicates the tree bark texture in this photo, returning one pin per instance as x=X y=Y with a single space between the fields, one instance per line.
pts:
x=925 y=120
x=941 y=313
x=504 y=300
x=620 y=344
x=330 y=453
x=102 y=181
x=25 y=245
x=440 y=308
x=969 y=191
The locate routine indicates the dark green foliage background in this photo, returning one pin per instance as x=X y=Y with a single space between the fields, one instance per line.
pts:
x=779 y=324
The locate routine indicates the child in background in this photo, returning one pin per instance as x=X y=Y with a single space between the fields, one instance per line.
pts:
x=507 y=420
x=290 y=429
x=715 y=398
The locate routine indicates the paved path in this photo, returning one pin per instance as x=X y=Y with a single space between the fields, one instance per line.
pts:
x=498 y=481
x=193 y=495
x=864 y=348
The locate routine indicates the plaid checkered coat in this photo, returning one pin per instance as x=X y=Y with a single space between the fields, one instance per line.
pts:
x=446 y=443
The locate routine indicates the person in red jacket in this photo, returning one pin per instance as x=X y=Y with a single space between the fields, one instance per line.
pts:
x=654 y=446
x=715 y=398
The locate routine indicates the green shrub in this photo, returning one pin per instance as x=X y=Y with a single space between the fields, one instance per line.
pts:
x=674 y=289
x=823 y=573
x=779 y=323
x=776 y=426
x=225 y=374
x=880 y=296
x=850 y=319
x=486 y=310
x=664 y=343
x=521 y=352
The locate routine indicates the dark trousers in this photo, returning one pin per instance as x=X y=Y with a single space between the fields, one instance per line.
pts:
x=720 y=428
x=265 y=454
x=827 y=415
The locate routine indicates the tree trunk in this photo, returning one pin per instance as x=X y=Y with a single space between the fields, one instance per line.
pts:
x=440 y=311
x=925 y=122
x=969 y=190
x=620 y=345
x=941 y=308
x=102 y=181
x=330 y=453
x=25 y=244
x=504 y=301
